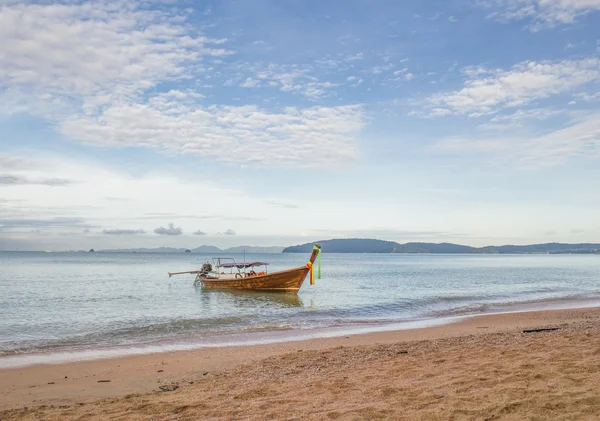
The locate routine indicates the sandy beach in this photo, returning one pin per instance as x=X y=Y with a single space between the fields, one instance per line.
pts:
x=484 y=367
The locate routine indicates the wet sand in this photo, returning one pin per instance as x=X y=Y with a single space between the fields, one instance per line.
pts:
x=483 y=367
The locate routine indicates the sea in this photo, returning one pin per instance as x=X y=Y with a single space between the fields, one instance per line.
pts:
x=58 y=307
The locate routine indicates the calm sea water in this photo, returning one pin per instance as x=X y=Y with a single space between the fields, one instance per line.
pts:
x=90 y=303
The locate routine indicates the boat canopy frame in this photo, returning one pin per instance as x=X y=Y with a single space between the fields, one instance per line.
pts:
x=231 y=264
x=244 y=265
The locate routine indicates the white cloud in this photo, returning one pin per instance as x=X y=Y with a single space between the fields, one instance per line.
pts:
x=301 y=137
x=380 y=69
x=17 y=180
x=11 y=162
x=542 y=13
x=584 y=96
x=32 y=224
x=120 y=231
x=289 y=78
x=431 y=113
x=89 y=204
x=403 y=74
x=96 y=52
x=250 y=83
x=486 y=91
x=582 y=138
x=171 y=230
x=316 y=90
x=329 y=63
x=520 y=118
x=93 y=68
x=20 y=171
x=338 y=62
x=530 y=114
x=355 y=57
x=281 y=204
x=294 y=79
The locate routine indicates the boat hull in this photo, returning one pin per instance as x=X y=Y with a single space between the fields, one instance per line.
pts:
x=284 y=281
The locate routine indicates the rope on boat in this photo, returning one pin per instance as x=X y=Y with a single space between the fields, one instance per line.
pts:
x=310 y=266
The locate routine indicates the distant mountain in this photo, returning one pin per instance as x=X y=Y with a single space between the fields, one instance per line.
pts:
x=199 y=250
x=207 y=249
x=351 y=245
x=359 y=245
x=251 y=249
x=238 y=249
x=552 y=248
x=437 y=248
x=367 y=245
x=145 y=250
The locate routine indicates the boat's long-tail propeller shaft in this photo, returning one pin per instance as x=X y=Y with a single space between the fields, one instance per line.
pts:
x=183 y=273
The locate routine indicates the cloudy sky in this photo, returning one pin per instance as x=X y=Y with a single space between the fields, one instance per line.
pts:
x=267 y=122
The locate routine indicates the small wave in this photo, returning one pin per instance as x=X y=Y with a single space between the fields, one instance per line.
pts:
x=141 y=334
x=570 y=301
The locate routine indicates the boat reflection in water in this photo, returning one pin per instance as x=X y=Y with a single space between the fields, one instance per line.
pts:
x=248 y=297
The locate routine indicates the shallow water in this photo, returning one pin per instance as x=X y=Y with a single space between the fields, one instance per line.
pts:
x=84 y=302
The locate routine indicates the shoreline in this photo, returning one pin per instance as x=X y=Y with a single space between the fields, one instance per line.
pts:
x=77 y=382
x=274 y=337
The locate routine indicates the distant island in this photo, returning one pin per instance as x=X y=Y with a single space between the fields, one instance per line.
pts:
x=368 y=245
x=201 y=249
x=359 y=245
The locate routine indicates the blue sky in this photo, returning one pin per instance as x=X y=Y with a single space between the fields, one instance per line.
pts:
x=127 y=124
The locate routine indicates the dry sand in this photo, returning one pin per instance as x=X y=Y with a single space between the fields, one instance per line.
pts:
x=482 y=368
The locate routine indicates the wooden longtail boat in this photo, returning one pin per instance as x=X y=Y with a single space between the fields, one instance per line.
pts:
x=289 y=280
